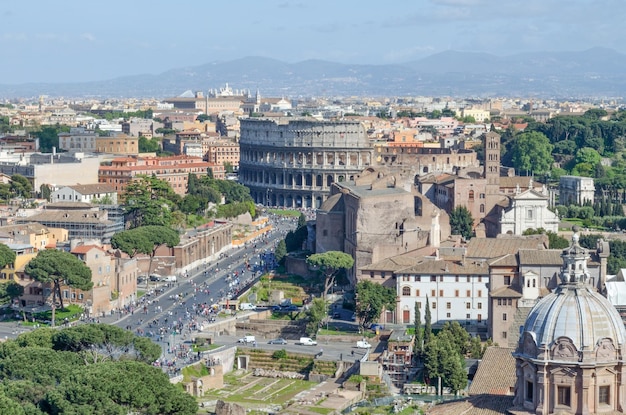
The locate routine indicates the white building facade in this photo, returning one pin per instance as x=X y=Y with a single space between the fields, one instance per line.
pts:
x=528 y=210
x=86 y=193
x=455 y=291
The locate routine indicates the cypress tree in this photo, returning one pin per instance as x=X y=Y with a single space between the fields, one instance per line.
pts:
x=428 y=330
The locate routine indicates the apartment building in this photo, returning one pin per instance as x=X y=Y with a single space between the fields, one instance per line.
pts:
x=174 y=170
x=222 y=151
x=78 y=139
x=118 y=144
x=453 y=290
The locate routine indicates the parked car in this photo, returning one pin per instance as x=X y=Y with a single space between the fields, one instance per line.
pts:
x=336 y=315
x=291 y=308
x=375 y=327
x=171 y=278
x=363 y=344
x=277 y=341
x=276 y=308
x=155 y=278
x=247 y=306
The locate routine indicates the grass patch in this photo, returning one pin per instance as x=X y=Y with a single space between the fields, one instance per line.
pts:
x=277 y=392
x=140 y=293
x=285 y=212
x=195 y=371
x=72 y=312
x=205 y=348
x=332 y=332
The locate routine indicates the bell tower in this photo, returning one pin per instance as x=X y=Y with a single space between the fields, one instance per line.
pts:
x=492 y=158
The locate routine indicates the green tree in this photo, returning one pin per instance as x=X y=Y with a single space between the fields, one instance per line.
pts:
x=428 y=328
x=371 y=300
x=442 y=360
x=148 y=145
x=301 y=220
x=56 y=371
x=49 y=137
x=145 y=240
x=531 y=153
x=330 y=263
x=281 y=251
x=149 y=201
x=203 y=117
x=461 y=222
x=316 y=314
x=59 y=268
x=458 y=335
x=13 y=290
x=418 y=346
x=45 y=191
x=7 y=256
x=295 y=239
x=228 y=167
x=21 y=187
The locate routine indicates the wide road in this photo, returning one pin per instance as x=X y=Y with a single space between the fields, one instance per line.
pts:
x=168 y=314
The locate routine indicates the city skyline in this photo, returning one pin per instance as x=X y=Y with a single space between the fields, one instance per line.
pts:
x=71 y=41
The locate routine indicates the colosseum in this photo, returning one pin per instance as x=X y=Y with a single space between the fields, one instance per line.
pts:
x=292 y=162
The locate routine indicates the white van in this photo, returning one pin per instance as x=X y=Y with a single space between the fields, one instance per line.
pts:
x=170 y=278
x=307 y=341
x=247 y=339
x=247 y=306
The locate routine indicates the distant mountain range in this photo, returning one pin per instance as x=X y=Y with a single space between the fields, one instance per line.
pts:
x=597 y=72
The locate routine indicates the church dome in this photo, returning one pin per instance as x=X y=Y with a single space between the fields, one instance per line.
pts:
x=577 y=312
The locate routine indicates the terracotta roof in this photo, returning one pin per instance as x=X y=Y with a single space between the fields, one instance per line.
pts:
x=95 y=188
x=522 y=181
x=505 y=292
x=540 y=257
x=447 y=267
x=497 y=247
x=495 y=374
x=32 y=227
x=83 y=249
x=393 y=263
x=475 y=405
x=509 y=260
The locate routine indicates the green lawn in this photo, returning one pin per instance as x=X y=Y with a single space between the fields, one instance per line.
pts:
x=285 y=212
x=332 y=332
x=71 y=312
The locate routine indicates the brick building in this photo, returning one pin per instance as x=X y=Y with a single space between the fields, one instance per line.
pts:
x=174 y=170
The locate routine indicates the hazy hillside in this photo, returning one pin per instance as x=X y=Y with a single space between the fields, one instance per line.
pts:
x=595 y=72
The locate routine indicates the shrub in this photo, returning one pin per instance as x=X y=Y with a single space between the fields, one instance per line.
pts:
x=280 y=354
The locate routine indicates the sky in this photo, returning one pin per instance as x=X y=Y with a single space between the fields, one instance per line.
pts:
x=76 y=41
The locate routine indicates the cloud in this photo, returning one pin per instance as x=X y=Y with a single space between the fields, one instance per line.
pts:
x=88 y=36
x=287 y=5
x=52 y=37
x=14 y=37
x=327 y=28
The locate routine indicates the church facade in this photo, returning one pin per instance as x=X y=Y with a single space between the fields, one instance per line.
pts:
x=570 y=357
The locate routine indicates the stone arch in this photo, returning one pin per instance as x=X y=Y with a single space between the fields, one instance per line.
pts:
x=605 y=349
x=564 y=349
x=318 y=202
x=329 y=180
